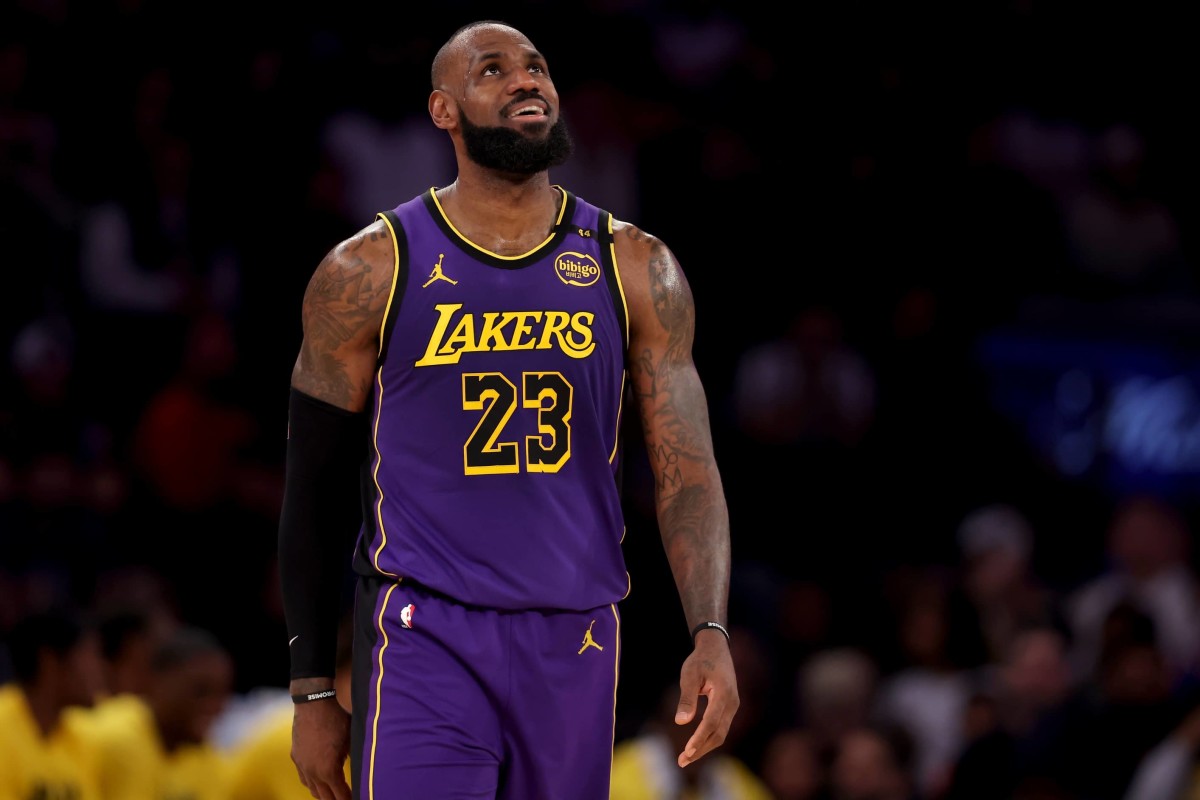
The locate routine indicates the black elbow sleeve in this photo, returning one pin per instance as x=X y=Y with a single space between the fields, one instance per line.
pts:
x=318 y=524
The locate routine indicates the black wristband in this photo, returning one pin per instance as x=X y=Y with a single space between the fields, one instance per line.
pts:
x=705 y=625
x=311 y=696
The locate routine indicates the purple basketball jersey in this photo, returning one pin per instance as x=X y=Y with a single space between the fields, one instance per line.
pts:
x=496 y=415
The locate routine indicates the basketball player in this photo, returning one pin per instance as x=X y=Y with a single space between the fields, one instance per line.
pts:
x=480 y=339
x=155 y=745
x=58 y=673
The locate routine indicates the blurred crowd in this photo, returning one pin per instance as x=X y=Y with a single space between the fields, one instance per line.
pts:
x=944 y=588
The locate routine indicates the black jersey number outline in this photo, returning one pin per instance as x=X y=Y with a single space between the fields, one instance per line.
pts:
x=496 y=396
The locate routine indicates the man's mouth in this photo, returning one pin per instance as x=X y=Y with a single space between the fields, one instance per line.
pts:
x=530 y=109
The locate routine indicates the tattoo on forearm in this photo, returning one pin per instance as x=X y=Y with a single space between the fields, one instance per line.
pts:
x=691 y=506
x=698 y=560
x=667 y=476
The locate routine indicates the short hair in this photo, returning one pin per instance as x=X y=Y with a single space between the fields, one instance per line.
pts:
x=443 y=53
x=57 y=630
x=837 y=675
x=183 y=646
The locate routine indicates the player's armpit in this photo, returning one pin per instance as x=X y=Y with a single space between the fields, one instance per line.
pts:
x=343 y=311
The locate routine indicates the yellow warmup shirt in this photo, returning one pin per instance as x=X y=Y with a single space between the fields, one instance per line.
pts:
x=262 y=762
x=644 y=768
x=133 y=765
x=33 y=765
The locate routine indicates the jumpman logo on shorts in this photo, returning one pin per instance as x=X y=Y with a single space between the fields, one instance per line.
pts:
x=588 y=641
x=437 y=274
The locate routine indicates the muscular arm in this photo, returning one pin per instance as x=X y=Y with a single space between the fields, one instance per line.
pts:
x=690 y=501
x=689 y=498
x=331 y=381
x=342 y=313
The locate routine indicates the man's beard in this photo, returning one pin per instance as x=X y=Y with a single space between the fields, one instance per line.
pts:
x=507 y=150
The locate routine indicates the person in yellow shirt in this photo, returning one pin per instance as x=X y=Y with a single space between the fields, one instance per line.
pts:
x=644 y=767
x=129 y=637
x=262 y=762
x=155 y=746
x=57 y=671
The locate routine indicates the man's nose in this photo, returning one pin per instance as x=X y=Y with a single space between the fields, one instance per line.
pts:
x=522 y=81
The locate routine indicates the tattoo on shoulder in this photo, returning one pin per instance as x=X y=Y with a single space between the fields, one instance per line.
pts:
x=672 y=301
x=343 y=293
x=344 y=302
x=635 y=233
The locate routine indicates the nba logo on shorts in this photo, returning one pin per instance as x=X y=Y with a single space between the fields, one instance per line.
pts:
x=406 y=615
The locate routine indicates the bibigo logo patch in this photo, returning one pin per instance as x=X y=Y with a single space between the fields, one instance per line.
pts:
x=576 y=269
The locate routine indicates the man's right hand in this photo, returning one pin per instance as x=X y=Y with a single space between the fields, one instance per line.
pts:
x=320 y=747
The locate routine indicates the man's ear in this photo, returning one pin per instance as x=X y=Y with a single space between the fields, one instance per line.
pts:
x=443 y=110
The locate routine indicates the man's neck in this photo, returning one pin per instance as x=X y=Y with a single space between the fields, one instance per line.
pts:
x=500 y=213
x=43 y=706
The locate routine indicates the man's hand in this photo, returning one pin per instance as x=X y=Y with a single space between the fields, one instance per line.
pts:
x=707 y=672
x=320 y=747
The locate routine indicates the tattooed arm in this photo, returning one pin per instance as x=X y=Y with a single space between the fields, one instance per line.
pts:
x=343 y=310
x=689 y=499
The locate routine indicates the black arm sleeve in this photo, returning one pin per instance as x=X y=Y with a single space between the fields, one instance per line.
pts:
x=318 y=524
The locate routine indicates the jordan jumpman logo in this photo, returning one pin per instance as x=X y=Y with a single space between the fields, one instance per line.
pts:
x=588 y=641
x=437 y=274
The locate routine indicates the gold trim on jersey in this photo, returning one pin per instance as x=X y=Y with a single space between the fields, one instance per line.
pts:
x=557 y=221
x=620 y=409
x=379 y=400
x=395 y=277
x=612 y=252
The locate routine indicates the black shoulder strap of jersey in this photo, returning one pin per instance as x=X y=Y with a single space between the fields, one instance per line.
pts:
x=602 y=236
x=399 y=278
x=567 y=224
x=608 y=260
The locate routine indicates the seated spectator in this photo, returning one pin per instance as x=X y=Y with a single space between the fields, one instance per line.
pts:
x=996 y=545
x=874 y=762
x=836 y=692
x=1148 y=545
x=1129 y=706
x=792 y=768
x=927 y=691
x=1015 y=713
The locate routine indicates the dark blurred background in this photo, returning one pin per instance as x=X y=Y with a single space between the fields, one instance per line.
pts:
x=945 y=269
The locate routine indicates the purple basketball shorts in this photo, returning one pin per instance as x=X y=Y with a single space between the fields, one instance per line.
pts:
x=456 y=702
